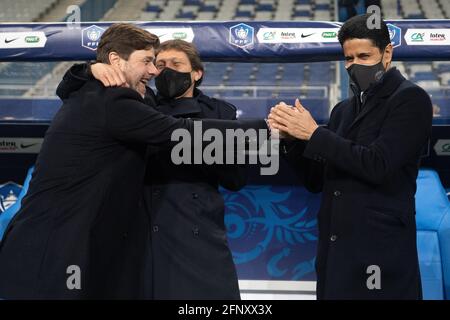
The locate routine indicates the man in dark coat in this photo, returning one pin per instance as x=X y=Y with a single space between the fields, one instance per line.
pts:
x=82 y=231
x=191 y=256
x=365 y=163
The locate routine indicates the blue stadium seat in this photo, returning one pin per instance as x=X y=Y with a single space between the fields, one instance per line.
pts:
x=193 y=2
x=186 y=15
x=420 y=76
x=265 y=7
x=233 y=93
x=301 y=13
x=323 y=6
x=313 y=93
x=210 y=79
x=443 y=68
x=433 y=235
x=303 y=2
x=415 y=16
x=9 y=213
x=243 y=14
x=267 y=80
x=264 y=93
x=320 y=74
x=152 y=8
x=24 y=73
x=208 y=8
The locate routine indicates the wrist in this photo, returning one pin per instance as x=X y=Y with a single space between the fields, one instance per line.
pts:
x=312 y=131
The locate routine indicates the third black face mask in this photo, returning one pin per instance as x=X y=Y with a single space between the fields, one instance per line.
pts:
x=363 y=76
x=171 y=83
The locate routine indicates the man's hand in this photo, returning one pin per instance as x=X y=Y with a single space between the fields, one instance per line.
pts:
x=108 y=75
x=276 y=133
x=297 y=122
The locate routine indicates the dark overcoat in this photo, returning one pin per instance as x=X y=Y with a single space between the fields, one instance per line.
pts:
x=192 y=259
x=365 y=164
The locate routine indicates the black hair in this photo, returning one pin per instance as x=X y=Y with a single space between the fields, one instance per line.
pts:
x=356 y=28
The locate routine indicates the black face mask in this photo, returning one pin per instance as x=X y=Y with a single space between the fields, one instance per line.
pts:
x=363 y=76
x=171 y=83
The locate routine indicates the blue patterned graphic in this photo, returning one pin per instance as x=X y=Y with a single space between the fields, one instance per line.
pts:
x=272 y=231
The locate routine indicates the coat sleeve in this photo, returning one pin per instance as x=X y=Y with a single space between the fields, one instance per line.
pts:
x=128 y=118
x=402 y=136
x=73 y=80
x=310 y=172
x=230 y=176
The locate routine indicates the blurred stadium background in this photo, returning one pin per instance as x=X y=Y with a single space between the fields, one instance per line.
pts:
x=276 y=80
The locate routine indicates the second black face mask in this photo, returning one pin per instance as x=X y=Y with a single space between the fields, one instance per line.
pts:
x=171 y=83
x=363 y=76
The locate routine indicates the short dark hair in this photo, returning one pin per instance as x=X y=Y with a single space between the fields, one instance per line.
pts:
x=124 y=38
x=189 y=49
x=356 y=28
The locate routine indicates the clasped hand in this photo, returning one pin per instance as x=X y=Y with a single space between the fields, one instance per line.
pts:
x=292 y=121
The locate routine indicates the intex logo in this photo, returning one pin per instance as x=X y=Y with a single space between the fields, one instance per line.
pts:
x=7 y=145
x=437 y=37
x=288 y=35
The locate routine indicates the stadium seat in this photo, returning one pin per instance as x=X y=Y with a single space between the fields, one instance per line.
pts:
x=433 y=235
x=248 y=2
x=153 y=8
x=9 y=213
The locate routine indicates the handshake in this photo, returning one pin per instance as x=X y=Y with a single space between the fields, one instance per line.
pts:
x=294 y=122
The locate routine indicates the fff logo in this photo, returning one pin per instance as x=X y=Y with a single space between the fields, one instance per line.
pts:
x=241 y=35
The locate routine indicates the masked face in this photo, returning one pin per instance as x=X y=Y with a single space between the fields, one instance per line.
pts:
x=364 y=76
x=177 y=77
x=365 y=63
x=172 y=84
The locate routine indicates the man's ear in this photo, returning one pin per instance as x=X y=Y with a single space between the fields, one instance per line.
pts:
x=198 y=74
x=114 y=59
x=388 y=53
